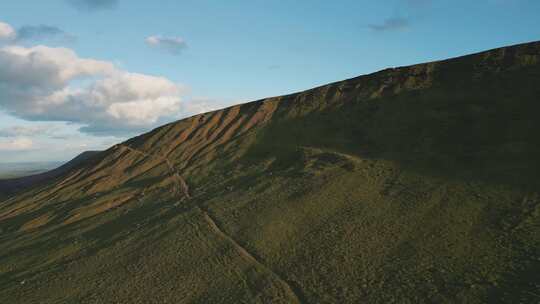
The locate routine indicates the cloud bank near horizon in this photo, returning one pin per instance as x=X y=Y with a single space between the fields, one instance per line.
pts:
x=55 y=84
x=42 y=83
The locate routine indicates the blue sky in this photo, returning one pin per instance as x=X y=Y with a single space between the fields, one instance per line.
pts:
x=127 y=66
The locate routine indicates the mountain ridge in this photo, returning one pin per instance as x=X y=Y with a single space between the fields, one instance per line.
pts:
x=413 y=184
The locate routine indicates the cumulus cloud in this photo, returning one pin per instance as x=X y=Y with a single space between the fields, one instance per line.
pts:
x=173 y=45
x=6 y=31
x=93 y=5
x=16 y=144
x=391 y=24
x=55 y=84
x=42 y=32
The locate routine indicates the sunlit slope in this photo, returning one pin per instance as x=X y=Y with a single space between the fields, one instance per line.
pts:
x=410 y=185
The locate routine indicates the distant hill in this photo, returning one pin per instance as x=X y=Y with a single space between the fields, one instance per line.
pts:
x=12 y=170
x=24 y=177
x=416 y=184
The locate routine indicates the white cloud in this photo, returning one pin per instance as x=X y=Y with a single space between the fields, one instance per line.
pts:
x=54 y=84
x=48 y=93
x=6 y=31
x=16 y=144
x=173 y=45
x=42 y=83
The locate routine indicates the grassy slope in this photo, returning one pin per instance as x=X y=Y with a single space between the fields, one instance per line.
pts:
x=410 y=185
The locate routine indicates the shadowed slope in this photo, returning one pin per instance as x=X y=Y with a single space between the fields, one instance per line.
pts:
x=412 y=185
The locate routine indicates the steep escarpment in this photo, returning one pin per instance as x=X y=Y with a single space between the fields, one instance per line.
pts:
x=413 y=184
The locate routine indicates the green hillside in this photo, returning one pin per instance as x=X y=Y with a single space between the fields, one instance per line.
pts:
x=417 y=184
